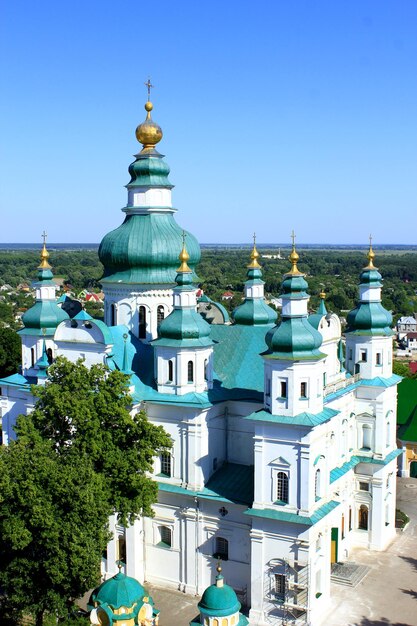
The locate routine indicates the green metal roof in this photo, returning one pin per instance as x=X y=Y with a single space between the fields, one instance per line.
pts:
x=18 y=380
x=149 y=171
x=254 y=311
x=231 y=483
x=281 y=515
x=145 y=249
x=338 y=472
x=294 y=339
x=118 y=591
x=407 y=410
x=43 y=314
x=302 y=419
x=378 y=381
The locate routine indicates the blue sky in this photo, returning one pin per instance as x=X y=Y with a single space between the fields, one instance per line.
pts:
x=276 y=115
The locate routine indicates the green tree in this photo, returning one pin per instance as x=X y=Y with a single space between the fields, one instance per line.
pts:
x=10 y=352
x=87 y=411
x=54 y=512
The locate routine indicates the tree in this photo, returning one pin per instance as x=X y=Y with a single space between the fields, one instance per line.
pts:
x=87 y=411
x=10 y=352
x=54 y=512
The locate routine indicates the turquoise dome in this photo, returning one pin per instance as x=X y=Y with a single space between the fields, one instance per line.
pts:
x=254 y=311
x=369 y=317
x=149 y=171
x=121 y=590
x=44 y=314
x=219 y=600
x=144 y=249
x=294 y=338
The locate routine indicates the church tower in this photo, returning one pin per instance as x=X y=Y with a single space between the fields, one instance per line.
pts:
x=140 y=257
x=294 y=364
x=184 y=349
x=41 y=321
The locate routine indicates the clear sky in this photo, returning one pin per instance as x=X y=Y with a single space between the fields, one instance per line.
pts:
x=276 y=114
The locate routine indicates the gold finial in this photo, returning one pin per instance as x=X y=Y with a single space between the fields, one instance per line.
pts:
x=148 y=133
x=294 y=271
x=44 y=265
x=219 y=567
x=183 y=257
x=371 y=256
x=322 y=295
x=254 y=255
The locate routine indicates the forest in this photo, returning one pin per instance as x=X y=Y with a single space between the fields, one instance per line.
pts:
x=336 y=271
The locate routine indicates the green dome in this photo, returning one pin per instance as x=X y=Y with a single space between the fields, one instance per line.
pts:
x=44 y=314
x=219 y=600
x=254 y=312
x=144 y=249
x=121 y=590
x=294 y=338
x=369 y=318
x=149 y=172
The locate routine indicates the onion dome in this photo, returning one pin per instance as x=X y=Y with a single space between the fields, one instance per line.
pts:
x=219 y=600
x=254 y=311
x=45 y=315
x=369 y=316
x=184 y=326
x=120 y=598
x=144 y=249
x=294 y=338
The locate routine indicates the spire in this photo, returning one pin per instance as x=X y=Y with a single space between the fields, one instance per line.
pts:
x=42 y=364
x=254 y=255
x=371 y=256
x=294 y=271
x=184 y=257
x=219 y=577
x=148 y=133
x=126 y=369
x=322 y=307
x=44 y=265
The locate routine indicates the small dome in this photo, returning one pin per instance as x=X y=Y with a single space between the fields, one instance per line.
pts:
x=219 y=600
x=148 y=133
x=121 y=590
x=294 y=337
x=44 y=314
x=254 y=312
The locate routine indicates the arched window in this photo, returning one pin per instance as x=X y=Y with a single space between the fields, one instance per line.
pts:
x=366 y=437
x=166 y=464
x=142 y=322
x=317 y=486
x=32 y=357
x=49 y=355
x=363 y=517
x=388 y=435
x=170 y=371
x=121 y=548
x=160 y=314
x=113 y=315
x=343 y=526
x=190 y=372
x=206 y=369
x=282 y=487
x=222 y=549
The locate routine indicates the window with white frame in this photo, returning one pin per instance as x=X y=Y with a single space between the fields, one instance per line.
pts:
x=165 y=536
x=378 y=358
x=366 y=437
x=363 y=356
x=283 y=389
x=170 y=377
x=282 y=487
x=166 y=464
x=303 y=390
x=190 y=372
x=317 y=485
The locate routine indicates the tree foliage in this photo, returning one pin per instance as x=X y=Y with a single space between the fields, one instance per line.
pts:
x=86 y=410
x=53 y=525
x=10 y=352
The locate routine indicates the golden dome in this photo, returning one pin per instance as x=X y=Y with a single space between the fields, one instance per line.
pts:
x=371 y=256
x=322 y=295
x=254 y=256
x=148 y=133
x=44 y=265
x=184 y=258
x=294 y=271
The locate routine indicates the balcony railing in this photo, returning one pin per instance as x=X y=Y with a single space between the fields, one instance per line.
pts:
x=340 y=384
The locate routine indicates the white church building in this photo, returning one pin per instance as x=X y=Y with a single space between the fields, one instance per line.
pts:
x=284 y=450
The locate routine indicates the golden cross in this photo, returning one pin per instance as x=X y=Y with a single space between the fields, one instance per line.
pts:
x=184 y=234
x=149 y=85
x=293 y=238
x=370 y=241
x=44 y=235
x=254 y=239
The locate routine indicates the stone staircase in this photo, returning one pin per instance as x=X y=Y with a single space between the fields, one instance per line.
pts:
x=348 y=574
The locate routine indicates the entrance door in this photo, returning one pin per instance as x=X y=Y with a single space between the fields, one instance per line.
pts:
x=335 y=540
x=413 y=469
